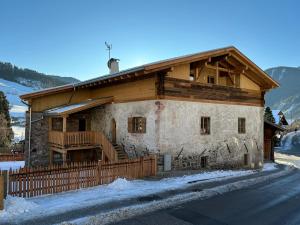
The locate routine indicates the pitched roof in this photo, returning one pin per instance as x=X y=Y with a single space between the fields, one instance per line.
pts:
x=275 y=126
x=156 y=66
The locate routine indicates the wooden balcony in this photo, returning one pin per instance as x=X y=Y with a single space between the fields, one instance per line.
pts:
x=67 y=141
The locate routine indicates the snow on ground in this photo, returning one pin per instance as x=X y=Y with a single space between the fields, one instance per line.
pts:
x=291 y=160
x=11 y=165
x=119 y=190
x=123 y=213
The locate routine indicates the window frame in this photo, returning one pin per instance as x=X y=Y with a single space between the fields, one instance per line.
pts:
x=205 y=120
x=241 y=125
x=137 y=125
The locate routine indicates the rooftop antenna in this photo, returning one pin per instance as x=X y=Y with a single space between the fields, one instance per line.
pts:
x=108 y=47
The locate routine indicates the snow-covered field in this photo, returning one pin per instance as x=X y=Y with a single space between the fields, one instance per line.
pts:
x=11 y=165
x=12 y=91
x=17 y=208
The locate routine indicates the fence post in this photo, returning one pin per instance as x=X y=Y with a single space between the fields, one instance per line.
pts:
x=142 y=166
x=155 y=165
x=1 y=192
x=99 y=172
x=5 y=177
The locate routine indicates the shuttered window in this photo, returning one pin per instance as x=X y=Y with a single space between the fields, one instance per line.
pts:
x=242 y=125
x=137 y=125
x=205 y=125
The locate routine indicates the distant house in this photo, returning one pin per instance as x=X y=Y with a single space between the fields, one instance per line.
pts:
x=270 y=130
x=203 y=110
x=279 y=118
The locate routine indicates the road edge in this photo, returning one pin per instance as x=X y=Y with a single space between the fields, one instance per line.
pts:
x=128 y=212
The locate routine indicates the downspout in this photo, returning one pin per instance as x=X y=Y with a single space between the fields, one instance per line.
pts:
x=29 y=135
x=29 y=131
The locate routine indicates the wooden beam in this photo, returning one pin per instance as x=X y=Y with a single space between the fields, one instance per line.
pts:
x=217 y=73
x=64 y=124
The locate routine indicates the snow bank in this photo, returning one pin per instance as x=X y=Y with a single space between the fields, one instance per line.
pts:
x=140 y=209
x=269 y=166
x=14 y=206
x=291 y=141
x=11 y=165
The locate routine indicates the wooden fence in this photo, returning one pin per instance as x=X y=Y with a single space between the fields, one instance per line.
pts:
x=29 y=182
x=11 y=157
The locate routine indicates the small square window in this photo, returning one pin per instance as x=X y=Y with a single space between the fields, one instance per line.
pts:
x=241 y=125
x=205 y=125
x=211 y=79
x=137 y=125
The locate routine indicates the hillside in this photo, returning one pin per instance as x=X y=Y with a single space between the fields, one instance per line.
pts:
x=287 y=96
x=31 y=78
x=15 y=81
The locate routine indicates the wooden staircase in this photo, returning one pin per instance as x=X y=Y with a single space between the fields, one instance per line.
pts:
x=120 y=152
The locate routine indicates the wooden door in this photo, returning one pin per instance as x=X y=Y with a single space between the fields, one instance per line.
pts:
x=113 y=131
x=267 y=149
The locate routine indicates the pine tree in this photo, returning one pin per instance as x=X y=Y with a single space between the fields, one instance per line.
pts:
x=268 y=115
x=4 y=107
x=6 y=133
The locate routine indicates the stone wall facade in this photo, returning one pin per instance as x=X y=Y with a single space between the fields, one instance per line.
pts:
x=39 y=152
x=173 y=127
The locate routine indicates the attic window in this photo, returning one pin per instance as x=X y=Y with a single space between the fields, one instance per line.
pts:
x=137 y=125
x=210 y=79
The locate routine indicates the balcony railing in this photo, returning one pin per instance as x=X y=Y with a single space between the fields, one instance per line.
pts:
x=82 y=139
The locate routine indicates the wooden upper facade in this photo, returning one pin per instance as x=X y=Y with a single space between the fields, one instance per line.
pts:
x=222 y=76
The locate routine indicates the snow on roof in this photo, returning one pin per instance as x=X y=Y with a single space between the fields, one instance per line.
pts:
x=63 y=109
x=66 y=109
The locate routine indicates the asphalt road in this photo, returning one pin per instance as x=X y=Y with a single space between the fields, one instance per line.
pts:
x=276 y=202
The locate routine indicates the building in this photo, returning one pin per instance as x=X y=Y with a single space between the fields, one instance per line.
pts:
x=270 y=132
x=279 y=118
x=204 y=110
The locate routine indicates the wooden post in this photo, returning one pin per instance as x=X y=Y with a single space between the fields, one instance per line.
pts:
x=1 y=192
x=50 y=157
x=64 y=156
x=64 y=124
x=217 y=75
x=142 y=166
x=5 y=177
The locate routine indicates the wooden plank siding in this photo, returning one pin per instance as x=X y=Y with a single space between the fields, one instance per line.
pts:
x=189 y=90
x=139 y=89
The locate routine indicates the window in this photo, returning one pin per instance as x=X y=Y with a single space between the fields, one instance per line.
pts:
x=211 y=79
x=205 y=125
x=137 y=125
x=242 y=125
x=204 y=161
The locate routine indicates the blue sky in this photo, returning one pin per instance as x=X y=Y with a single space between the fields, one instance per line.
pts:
x=65 y=37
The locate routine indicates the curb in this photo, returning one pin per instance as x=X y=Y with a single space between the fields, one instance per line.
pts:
x=127 y=212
